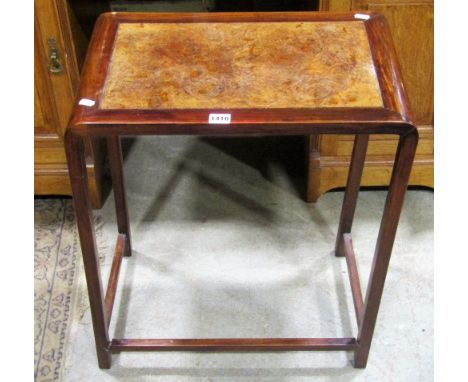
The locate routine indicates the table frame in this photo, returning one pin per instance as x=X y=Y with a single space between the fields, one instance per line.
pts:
x=394 y=118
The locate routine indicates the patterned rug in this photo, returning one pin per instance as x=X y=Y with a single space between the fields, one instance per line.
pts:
x=57 y=295
x=55 y=267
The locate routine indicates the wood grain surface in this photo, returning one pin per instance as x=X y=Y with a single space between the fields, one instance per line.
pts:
x=241 y=65
x=284 y=73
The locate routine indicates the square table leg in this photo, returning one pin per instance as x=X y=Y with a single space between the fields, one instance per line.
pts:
x=101 y=311
x=388 y=227
x=352 y=190
x=78 y=177
x=115 y=160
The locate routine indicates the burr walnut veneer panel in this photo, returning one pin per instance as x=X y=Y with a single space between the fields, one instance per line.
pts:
x=241 y=65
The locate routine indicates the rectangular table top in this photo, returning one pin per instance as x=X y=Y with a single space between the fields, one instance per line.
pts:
x=241 y=65
x=258 y=68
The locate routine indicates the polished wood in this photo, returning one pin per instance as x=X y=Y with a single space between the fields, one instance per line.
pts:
x=230 y=65
x=412 y=28
x=412 y=25
x=114 y=276
x=352 y=190
x=115 y=160
x=326 y=173
x=90 y=119
x=353 y=276
x=393 y=205
x=93 y=120
x=85 y=223
x=53 y=101
x=234 y=344
x=335 y=5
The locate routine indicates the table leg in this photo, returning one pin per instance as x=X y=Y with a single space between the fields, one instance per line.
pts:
x=115 y=160
x=84 y=219
x=352 y=190
x=393 y=205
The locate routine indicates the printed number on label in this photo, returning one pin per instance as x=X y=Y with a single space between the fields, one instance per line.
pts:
x=219 y=118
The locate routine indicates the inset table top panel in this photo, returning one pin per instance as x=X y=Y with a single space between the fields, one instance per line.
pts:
x=259 y=73
x=233 y=65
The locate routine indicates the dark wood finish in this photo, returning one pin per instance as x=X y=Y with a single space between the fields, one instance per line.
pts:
x=114 y=276
x=91 y=120
x=352 y=190
x=394 y=117
x=234 y=344
x=115 y=160
x=393 y=205
x=353 y=276
x=84 y=220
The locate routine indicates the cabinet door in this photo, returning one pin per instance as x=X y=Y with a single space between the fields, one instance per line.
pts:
x=52 y=104
x=54 y=92
x=412 y=26
x=45 y=118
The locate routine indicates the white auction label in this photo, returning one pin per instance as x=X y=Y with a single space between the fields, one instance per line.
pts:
x=86 y=102
x=361 y=16
x=219 y=118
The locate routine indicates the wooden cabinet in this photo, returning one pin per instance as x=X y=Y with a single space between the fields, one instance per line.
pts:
x=412 y=26
x=56 y=32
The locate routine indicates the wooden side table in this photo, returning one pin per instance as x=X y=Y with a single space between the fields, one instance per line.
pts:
x=240 y=74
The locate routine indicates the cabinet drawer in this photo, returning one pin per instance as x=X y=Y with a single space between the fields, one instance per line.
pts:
x=44 y=155
x=342 y=145
x=386 y=146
